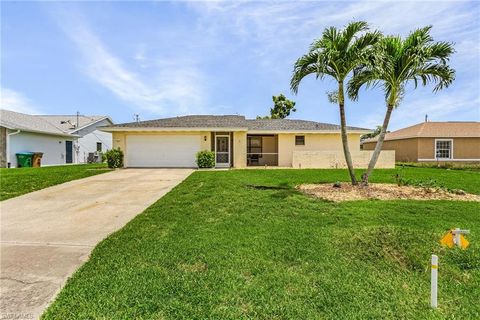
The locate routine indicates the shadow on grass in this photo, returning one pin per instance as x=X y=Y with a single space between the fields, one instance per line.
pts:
x=284 y=190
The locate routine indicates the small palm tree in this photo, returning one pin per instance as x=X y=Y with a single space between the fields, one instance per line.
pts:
x=336 y=54
x=395 y=62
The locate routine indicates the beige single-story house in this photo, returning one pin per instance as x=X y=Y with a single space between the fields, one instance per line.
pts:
x=452 y=141
x=238 y=142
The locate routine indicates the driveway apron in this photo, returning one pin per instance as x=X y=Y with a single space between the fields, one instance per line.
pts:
x=46 y=235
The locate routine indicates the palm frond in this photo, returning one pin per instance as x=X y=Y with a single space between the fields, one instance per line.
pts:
x=335 y=54
x=440 y=50
x=418 y=38
x=439 y=74
x=310 y=63
x=368 y=39
x=348 y=34
x=361 y=77
x=395 y=62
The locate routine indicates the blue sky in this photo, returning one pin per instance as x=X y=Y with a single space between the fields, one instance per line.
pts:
x=160 y=59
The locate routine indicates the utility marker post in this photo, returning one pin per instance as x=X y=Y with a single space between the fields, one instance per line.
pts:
x=434 y=282
x=457 y=236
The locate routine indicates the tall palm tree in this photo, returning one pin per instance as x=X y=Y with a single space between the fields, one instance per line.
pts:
x=336 y=54
x=397 y=62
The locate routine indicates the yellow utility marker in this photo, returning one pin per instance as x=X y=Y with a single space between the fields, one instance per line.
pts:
x=455 y=238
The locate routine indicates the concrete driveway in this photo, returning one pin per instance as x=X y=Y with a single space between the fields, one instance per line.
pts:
x=46 y=235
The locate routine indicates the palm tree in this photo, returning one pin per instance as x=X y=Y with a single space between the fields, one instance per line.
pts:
x=336 y=54
x=397 y=62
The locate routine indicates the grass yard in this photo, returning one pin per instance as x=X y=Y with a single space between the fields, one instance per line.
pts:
x=17 y=181
x=245 y=244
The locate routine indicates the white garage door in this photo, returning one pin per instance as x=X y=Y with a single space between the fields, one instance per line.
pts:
x=162 y=150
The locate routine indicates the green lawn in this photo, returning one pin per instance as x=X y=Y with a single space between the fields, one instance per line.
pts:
x=219 y=247
x=17 y=181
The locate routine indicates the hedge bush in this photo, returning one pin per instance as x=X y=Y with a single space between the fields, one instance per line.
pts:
x=114 y=158
x=206 y=159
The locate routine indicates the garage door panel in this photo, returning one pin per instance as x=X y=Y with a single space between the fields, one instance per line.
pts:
x=162 y=150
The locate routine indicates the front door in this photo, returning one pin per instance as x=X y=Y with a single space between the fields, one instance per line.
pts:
x=222 y=151
x=68 y=151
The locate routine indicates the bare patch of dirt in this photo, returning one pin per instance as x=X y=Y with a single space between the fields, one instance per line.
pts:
x=381 y=191
x=195 y=267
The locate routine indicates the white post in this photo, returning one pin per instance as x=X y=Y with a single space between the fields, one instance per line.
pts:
x=457 y=237
x=434 y=283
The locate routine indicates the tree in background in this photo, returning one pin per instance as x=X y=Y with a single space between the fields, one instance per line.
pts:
x=282 y=107
x=371 y=135
x=397 y=62
x=336 y=54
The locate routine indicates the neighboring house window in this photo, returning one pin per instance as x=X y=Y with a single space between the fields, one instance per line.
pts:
x=99 y=146
x=299 y=140
x=443 y=149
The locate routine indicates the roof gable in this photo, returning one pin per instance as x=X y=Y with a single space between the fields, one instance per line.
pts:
x=68 y=123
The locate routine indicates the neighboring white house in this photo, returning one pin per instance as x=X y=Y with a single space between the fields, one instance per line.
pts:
x=60 y=141
x=90 y=139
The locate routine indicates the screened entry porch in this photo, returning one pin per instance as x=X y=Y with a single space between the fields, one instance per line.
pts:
x=262 y=150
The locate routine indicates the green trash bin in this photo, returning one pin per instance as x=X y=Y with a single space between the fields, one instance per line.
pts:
x=24 y=159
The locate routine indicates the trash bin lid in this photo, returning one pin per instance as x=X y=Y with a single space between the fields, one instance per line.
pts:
x=25 y=153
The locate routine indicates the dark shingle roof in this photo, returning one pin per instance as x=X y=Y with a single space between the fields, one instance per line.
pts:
x=234 y=121
x=288 y=124
x=200 y=121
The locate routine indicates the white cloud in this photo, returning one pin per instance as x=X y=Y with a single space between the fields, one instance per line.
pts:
x=176 y=87
x=271 y=35
x=282 y=31
x=452 y=105
x=15 y=101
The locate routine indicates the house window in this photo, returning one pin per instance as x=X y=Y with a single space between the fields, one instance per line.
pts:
x=99 y=147
x=299 y=140
x=443 y=149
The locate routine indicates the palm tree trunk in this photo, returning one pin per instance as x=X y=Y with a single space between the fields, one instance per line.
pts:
x=343 y=127
x=378 y=147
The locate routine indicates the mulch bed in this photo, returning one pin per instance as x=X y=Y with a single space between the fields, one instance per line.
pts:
x=381 y=191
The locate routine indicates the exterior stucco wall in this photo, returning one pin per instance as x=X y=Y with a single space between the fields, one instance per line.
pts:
x=240 y=147
x=313 y=142
x=426 y=148
x=406 y=150
x=336 y=159
x=286 y=144
x=53 y=147
x=423 y=149
x=466 y=148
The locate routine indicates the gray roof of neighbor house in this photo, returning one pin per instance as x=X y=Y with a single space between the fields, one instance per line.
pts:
x=448 y=129
x=231 y=121
x=68 y=123
x=25 y=122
